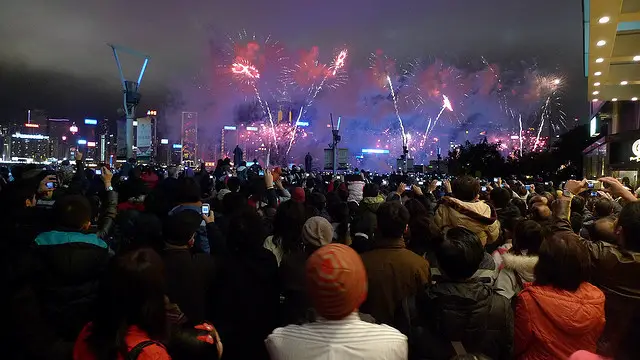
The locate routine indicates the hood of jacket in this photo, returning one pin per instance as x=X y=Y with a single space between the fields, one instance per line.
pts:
x=478 y=211
x=355 y=191
x=523 y=265
x=477 y=216
x=372 y=203
x=575 y=313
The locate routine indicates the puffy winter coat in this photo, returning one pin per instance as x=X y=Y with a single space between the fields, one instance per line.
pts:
x=551 y=323
x=465 y=315
x=475 y=216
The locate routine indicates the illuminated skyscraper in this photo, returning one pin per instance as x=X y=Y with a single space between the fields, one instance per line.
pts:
x=189 y=139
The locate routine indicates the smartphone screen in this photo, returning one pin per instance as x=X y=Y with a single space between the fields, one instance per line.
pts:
x=205 y=209
x=484 y=188
x=98 y=172
x=261 y=172
x=124 y=178
x=590 y=185
x=51 y=185
x=594 y=193
x=528 y=187
x=495 y=180
x=438 y=183
x=407 y=188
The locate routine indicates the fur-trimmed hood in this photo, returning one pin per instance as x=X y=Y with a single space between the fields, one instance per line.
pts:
x=523 y=265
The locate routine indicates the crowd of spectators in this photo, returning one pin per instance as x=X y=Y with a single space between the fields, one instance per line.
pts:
x=246 y=263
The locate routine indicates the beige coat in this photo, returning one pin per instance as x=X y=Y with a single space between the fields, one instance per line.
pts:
x=475 y=216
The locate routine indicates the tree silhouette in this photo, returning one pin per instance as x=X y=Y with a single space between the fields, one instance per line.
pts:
x=482 y=159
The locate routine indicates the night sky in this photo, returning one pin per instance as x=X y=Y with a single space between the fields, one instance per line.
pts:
x=53 y=54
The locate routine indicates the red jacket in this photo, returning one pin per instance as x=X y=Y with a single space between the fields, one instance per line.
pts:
x=553 y=324
x=82 y=351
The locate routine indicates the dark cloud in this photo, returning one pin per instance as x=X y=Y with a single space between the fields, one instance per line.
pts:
x=54 y=53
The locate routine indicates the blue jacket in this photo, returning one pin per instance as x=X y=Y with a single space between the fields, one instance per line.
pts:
x=201 y=240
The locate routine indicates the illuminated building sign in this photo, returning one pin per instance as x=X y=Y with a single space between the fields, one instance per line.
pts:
x=229 y=127
x=91 y=144
x=30 y=136
x=73 y=129
x=252 y=128
x=375 y=151
x=91 y=122
x=302 y=123
x=177 y=146
x=82 y=142
x=164 y=141
x=593 y=127
x=32 y=125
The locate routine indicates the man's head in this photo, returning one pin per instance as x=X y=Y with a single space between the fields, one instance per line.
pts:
x=540 y=212
x=73 y=212
x=318 y=201
x=392 y=218
x=628 y=226
x=370 y=190
x=603 y=207
x=465 y=188
x=187 y=191
x=180 y=228
x=460 y=253
x=500 y=197
x=336 y=281
x=172 y=172
x=604 y=230
x=233 y=184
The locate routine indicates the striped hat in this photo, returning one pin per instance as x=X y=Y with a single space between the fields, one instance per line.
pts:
x=336 y=281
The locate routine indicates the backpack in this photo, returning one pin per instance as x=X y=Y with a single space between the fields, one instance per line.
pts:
x=137 y=350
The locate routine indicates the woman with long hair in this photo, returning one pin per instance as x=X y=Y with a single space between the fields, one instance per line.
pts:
x=287 y=227
x=130 y=313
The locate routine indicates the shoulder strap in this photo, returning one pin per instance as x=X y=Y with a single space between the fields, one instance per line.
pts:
x=137 y=350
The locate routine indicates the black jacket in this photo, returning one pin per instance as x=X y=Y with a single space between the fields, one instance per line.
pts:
x=189 y=281
x=467 y=312
x=246 y=302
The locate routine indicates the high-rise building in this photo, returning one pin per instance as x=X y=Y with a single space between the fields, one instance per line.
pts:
x=5 y=142
x=189 y=139
x=58 y=138
x=29 y=147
